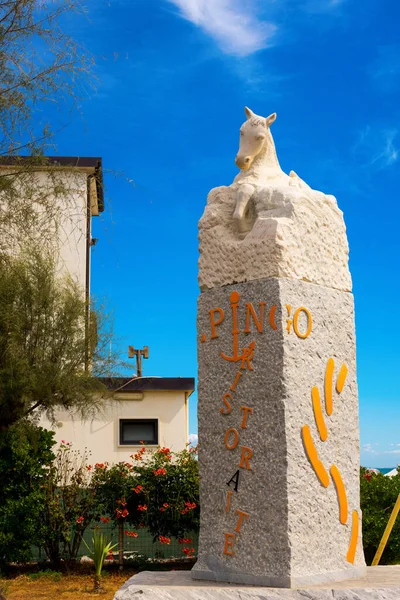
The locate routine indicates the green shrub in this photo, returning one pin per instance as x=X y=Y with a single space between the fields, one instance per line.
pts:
x=70 y=504
x=25 y=456
x=158 y=490
x=378 y=497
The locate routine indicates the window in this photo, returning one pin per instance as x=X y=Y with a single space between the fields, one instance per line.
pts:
x=133 y=432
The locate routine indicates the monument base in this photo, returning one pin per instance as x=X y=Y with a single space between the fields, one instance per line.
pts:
x=279 y=582
x=380 y=583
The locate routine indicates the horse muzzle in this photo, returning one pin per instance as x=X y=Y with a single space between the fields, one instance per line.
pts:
x=243 y=162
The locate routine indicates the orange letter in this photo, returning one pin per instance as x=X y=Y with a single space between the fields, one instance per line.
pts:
x=239 y=523
x=246 y=456
x=235 y=443
x=228 y=502
x=227 y=404
x=295 y=322
x=214 y=323
x=229 y=539
x=251 y=312
x=234 y=384
x=246 y=410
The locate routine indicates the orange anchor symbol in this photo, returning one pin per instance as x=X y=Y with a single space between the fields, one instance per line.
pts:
x=247 y=354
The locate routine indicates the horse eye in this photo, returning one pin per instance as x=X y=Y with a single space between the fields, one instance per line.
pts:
x=260 y=137
x=241 y=133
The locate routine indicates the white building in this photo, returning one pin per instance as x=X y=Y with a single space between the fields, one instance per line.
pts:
x=153 y=410
x=149 y=409
x=81 y=184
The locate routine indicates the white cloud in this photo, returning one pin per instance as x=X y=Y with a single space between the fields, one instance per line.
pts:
x=234 y=24
x=193 y=439
x=376 y=147
x=368 y=448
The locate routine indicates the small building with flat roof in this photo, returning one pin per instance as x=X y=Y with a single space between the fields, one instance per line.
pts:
x=149 y=410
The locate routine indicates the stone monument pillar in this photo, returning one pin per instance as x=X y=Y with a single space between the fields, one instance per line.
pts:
x=278 y=407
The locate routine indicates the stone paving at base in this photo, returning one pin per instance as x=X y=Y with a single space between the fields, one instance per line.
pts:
x=380 y=583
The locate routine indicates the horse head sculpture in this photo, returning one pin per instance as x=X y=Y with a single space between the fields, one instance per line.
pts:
x=256 y=142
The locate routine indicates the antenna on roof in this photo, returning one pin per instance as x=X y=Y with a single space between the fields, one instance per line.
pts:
x=138 y=354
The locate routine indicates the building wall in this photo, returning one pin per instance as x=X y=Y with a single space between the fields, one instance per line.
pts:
x=71 y=212
x=101 y=434
x=72 y=232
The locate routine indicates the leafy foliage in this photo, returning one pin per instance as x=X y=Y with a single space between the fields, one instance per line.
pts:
x=70 y=504
x=25 y=455
x=38 y=62
x=101 y=548
x=44 y=342
x=51 y=498
x=158 y=490
x=378 y=497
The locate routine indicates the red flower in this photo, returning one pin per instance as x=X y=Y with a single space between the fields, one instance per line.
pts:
x=131 y=534
x=80 y=520
x=188 y=551
x=121 y=514
x=160 y=471
x=368 y=476
x=191 y=505
x=165 y=505
x=142 y=507
x=105 y=519
x=164 y=540
x=164 y=451
x=162 y=509
x=89 y=467
x=185 y=540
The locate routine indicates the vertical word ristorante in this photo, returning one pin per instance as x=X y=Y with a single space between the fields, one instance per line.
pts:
x=300 y=322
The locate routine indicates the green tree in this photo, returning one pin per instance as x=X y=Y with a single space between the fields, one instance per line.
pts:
x=39 y=62
x=44 y=342
x=41 y=66
x=25 y=458
x=378 y=497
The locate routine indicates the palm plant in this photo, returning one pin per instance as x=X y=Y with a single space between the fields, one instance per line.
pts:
x=101 y=547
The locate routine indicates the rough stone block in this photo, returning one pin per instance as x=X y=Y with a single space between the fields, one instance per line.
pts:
x=292 y=232
x=278 y=416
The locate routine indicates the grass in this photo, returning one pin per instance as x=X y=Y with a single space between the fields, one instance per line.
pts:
x=40 y=583
x=51 y=585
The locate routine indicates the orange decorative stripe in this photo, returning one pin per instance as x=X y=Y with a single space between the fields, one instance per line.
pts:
x=319 y=418
x=313 y=456
x=341 y=492
x=328 y=385
x=351 y=554
x=341 y=378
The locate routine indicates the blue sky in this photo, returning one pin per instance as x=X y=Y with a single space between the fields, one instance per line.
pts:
x=173 y=78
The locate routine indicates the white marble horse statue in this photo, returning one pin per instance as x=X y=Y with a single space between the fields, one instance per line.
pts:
x=258 y=163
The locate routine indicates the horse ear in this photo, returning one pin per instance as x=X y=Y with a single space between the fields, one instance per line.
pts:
x=249 y=113
x=269 y=120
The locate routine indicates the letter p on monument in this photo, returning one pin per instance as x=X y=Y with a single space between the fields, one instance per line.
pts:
x=276 y=337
